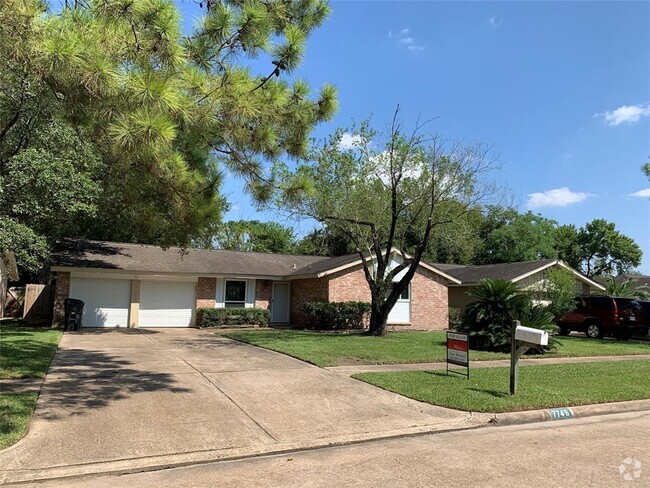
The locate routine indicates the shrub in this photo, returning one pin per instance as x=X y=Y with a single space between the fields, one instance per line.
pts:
x=455 y=318
x=227 y=317
x=488 y=319
x=335 y=315
x=560 y=291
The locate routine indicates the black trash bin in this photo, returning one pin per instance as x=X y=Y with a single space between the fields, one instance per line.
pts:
x=73 y=313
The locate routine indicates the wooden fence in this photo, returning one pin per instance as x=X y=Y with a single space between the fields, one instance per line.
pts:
x=39 y=300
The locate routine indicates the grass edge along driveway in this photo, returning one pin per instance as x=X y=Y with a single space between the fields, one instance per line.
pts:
x=540 y=386
x=333 y=349
x=24 y=353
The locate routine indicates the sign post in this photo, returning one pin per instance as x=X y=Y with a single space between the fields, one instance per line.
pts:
x=457 y=350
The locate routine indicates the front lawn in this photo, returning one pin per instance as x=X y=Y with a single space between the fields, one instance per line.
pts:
x=546 y=386
x=16 y=411
x=327 y=349
x=26 y=352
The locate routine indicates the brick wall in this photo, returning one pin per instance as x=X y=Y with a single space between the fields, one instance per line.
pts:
x=61 y=292
x=349 y=285
x=206 y=289
x=429 y=301
x=263 y=294
x=307 y=290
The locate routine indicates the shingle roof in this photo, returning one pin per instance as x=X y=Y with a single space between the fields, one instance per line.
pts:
x=635 y=280
x=503 y=271
x=326 y=265
x=154 y=259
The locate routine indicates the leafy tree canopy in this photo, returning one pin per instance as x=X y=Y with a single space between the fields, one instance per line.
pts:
x=598 y=249
x=253 y=235
x=147 y=117
x=509 y=236
x=392 y=190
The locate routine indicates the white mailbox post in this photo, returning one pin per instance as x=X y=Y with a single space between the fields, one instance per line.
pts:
x=523 y=338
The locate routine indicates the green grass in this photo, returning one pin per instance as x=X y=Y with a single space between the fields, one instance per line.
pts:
x=17 y=409
x=327 y=349
x=26 y=352
x=553 y=385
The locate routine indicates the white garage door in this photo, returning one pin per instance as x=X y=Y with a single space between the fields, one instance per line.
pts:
x=166 y=304
x=106 y=301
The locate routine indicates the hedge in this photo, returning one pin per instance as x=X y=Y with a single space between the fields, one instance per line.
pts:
x=227 y=317
x=335 y=315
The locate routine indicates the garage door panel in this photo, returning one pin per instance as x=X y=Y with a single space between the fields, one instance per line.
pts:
x=106 y=301
x=167 y=304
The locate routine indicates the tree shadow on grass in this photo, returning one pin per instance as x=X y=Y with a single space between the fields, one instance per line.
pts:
x=23 y=355
x=494 y=393
x=87 y=379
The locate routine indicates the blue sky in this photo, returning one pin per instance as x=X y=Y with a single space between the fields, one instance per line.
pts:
x=561 y=89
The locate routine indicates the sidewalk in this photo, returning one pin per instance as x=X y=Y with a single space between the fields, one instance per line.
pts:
x=499 y=363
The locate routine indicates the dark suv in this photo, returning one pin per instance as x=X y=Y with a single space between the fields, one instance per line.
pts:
x=597 y=316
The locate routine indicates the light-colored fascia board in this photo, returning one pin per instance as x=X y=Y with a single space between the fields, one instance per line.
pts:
x=536 y=270
x=560 y=263
x=122 y=272
x=394 y=251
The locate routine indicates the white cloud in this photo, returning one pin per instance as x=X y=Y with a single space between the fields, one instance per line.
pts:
x=349 y=141
x=415 y=48
x=404 y=38
x=558 y=197
x=496 y=21
x=626 y=113
x=641 y=193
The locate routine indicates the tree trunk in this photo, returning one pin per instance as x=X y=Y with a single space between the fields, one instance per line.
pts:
x=379 y=311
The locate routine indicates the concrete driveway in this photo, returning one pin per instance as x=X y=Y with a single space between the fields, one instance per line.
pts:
x=122 y=400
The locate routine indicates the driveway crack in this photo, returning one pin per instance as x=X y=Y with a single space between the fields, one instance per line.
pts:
x=216 y=386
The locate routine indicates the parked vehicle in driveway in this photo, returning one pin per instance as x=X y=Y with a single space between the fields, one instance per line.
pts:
x=598 y=316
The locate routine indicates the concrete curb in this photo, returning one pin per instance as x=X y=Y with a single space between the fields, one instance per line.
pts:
x=565 y=413
x=157 y=463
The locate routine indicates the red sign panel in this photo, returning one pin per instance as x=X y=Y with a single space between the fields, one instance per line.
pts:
x=458 y=349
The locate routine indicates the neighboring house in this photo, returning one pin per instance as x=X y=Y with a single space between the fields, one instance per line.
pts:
x=528 y=275
x=8 y=272
x=636 y=281
x=132 y=285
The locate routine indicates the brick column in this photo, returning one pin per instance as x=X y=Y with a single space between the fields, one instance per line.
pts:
x=206 y=289
x=61 y=292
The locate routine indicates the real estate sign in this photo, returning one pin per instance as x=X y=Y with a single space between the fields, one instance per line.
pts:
x=458 y=350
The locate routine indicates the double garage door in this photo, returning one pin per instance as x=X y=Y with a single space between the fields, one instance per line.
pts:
x=107 y=302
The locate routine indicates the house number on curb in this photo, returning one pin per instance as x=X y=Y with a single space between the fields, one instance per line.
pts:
x=560 y=413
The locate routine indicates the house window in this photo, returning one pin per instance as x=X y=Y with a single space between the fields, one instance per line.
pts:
x=235 y=294
x=405 y=293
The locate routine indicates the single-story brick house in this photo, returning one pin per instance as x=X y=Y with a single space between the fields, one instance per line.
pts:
x=133 y=285
x=528 y=275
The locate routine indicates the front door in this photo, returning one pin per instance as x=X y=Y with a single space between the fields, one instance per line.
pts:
x=280 y=303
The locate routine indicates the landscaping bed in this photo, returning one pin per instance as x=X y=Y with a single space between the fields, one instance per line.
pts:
x=546 y=386
x=331 y=349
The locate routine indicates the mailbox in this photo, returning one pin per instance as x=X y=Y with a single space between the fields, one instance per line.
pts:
x=531 y=336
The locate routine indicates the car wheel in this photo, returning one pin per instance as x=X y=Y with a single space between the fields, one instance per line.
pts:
x=564 y=331
x=593 y=331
